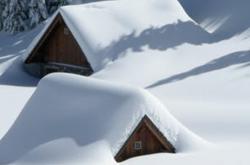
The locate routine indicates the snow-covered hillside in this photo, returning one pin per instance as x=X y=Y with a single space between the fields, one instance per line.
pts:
x=198 y=76
x=225 y=18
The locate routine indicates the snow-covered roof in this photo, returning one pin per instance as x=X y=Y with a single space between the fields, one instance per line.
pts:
x=97 y=26
x=88 y=110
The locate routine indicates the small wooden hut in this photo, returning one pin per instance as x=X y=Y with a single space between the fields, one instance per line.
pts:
x=145 y=139
x=57 y=51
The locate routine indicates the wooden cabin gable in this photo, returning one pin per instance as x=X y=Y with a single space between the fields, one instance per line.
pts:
x=146 y=139
x=58 y=50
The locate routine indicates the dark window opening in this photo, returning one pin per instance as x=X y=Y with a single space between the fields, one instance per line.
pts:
x=138 y=145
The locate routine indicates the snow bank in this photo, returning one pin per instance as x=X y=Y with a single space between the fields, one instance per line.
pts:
x=88 y=111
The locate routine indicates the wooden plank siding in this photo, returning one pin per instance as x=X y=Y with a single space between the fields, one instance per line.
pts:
x=152 y=141
x=58 y=45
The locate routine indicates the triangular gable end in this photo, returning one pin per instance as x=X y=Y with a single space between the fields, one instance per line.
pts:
x=145 y=139
x=57 y=50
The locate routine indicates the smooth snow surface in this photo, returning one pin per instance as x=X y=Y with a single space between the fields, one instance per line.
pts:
x=16 y=86
x=88 y=111
x=198 y=70
x=224 y=18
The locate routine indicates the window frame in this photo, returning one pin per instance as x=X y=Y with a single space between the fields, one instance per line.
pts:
x=66 y=31
x=137 y=145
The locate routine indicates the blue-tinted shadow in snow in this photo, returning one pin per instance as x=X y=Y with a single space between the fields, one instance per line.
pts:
x=242 y=57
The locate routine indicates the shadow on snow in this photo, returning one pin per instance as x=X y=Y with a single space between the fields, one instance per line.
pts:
x=15 y=74
x=159 y=38
x=220 y=63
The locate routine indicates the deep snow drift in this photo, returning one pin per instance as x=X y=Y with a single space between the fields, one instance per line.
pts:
x=202 y=78
x=88 y=111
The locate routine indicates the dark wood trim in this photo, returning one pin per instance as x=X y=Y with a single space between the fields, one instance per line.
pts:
x=158 y=134
x=58 y=19
x=41 y=41
x=127 y=141
x=155 y=131
x=54 y=46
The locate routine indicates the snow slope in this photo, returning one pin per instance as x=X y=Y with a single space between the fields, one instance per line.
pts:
x=16 y=86
x=88 y=111
x=224 y=18
x=202 y=78
x=205 y=86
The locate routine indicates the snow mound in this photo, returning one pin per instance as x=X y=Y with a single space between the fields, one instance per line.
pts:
x=88 y=111
x=106 y=30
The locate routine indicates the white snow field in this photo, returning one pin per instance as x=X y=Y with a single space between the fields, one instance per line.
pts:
x=198 y=72
x=88 y=111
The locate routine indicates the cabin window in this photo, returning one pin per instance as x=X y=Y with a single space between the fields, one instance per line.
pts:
x=138 y=145
x=66 y=31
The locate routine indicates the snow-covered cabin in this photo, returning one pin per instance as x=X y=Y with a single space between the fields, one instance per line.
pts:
x=96 y=115
x=145 y=139
x=85 y=38
x=57 y=50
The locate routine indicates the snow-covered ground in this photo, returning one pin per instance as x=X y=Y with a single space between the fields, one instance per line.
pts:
x=16 y=86
x=201 y=78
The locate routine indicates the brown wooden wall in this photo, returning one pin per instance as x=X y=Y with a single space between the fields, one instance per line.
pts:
x=56 y=46
x=152 y=142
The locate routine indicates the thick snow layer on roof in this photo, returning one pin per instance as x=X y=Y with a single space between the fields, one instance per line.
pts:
x=205 y=85
x=87 y=111
x=98 y=26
